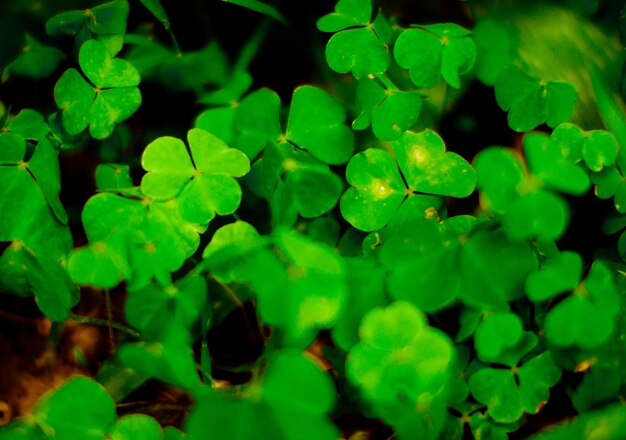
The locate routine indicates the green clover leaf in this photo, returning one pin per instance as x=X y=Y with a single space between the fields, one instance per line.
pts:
x=348 y=13
x=317 y=124
x=495 y=49
x=356 y=46
x=495 y=333
x=29 y=124
x=559 y=274
x=136 y=426
x=106 y=22
x=526 y=209
x=230 y=243
x=54 y=291
x=399 y=355
x=290 y=402
x=435 y=51
x=532 y=101
x=586 y=318
x=169 y=359
x=509 y=393
x=553 y=166
x=148 y=308
x=110 y=98
x=80 y=408
x=110 y=177
x=599 y=149
x=390 y=112
x=205 y=186
x=378 y=189
x=36 y=61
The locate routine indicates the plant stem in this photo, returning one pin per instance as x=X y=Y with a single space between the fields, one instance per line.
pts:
x=109 y=310
x=249 y=51
x=386 y=81
x=104 y=322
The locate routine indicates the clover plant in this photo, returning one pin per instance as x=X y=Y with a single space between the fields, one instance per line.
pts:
x=412 y=239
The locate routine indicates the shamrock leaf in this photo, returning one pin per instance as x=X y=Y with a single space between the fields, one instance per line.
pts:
x=495 y=333
x=390 y=112
x=54 y=292
x=599 y=149
x=526 y=209
x=586 y=318
x=559 y=274
x=295 y=182
x=110 y=98
x=313 y=292
x=232 y=240
x=495 y=49
x=35 y=61
x=290 y=402
x=79 y=408
x=435 y=51
x=147 y=309
x=553 y=166
x=136 y=426
x=170 y=358
x=399 y=355
x=106 y=22
x=494 y=269
x=532 y=101
x=205 y=186
x=356 y=47
x=110 y=177
x=378 y=189
x=509 y=393
x=316 y=123
x=29 y=124
x=348 y=13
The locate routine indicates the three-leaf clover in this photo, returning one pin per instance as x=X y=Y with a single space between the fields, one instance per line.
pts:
x=357 y=46
x=111 y=96
x=434 y=51
x=378 y=188
x=203 y=182
x=533 y=101
x=390 y=112
x=511 y=392
x=35 y=61
x=401 y=365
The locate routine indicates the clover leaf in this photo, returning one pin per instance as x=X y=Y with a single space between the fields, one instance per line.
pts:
x=80 y=408
x=204 y=187
x=181 y=303
x=399 y=356
x=29 y=124
x=169 y=358
x=106 y=22
x=509 y=393
x=495 y=333
x=378 y=189
x=434 y=51
x=109 y=98
x=291 y=402
x=559 y=274
x=136 y=426
x=35 y=61
x=54 y=291
x=586 y=318
x=390 y=112
x=233 y=240
x=356 y=46
x=526 y=209
x=316 y=123
x=533 y=101
x=294 y=182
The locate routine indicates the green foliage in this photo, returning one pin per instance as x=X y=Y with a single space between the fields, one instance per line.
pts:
x=359 y=261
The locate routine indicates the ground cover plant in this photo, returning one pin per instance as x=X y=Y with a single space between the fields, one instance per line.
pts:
x=347 y=219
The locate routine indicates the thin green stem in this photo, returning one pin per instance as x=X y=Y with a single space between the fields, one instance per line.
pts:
x=386 y=81
x=104 y=322
x=249 y=51
x=109 y=310
x=169 y=30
